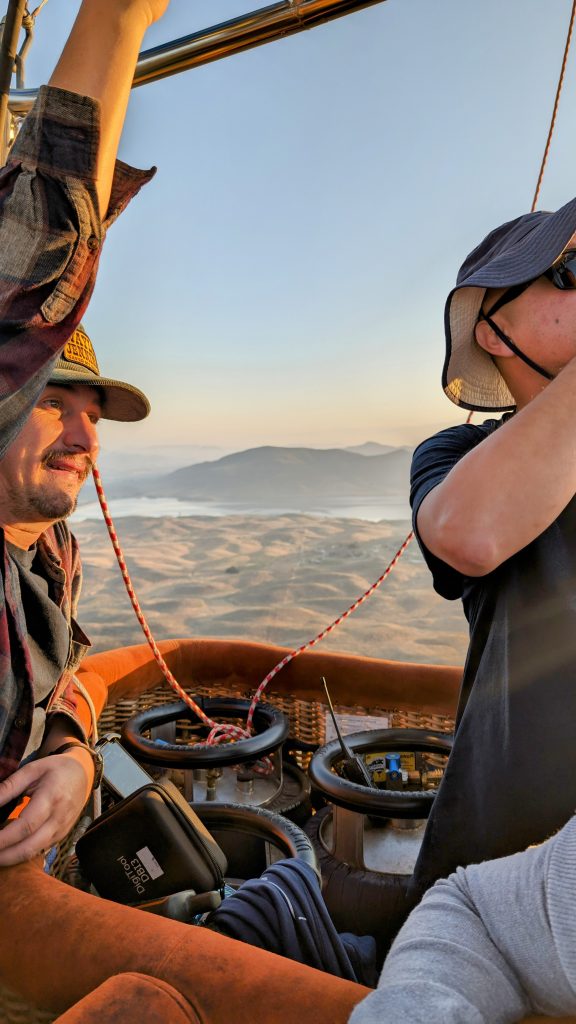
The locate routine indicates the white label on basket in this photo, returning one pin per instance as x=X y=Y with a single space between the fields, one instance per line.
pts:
x=150 y=863
x=354 y=723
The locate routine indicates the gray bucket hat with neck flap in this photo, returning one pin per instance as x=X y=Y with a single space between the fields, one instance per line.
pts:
x=515 y=253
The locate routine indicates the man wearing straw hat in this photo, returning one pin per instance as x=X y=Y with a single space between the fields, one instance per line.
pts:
x=59 y=192
x=495 y=515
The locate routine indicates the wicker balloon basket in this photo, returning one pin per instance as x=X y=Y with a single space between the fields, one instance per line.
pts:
x=307 y=725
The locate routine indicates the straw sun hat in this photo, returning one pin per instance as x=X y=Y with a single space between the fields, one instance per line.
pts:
x=78 y=365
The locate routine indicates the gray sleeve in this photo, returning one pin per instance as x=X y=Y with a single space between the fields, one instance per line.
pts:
x=489 y=945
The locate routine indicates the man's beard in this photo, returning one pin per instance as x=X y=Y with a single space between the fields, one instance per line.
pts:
x=51 y=507
x=46 y=502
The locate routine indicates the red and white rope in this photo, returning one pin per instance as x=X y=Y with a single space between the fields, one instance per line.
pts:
x=222 y=732
x=218 y=732
x=311 y=643
x=556 y=105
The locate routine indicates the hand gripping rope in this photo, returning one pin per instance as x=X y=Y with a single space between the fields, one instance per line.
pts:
x=221 y=732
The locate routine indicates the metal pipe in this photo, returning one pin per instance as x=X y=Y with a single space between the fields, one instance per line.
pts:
x=8 y=50
x=284 y=18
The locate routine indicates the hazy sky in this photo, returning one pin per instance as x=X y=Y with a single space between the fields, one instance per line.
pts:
x=282 y=280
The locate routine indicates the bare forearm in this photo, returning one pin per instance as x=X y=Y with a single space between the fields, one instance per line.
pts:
x=98 y=61
x=61 y=731
x=508 y=489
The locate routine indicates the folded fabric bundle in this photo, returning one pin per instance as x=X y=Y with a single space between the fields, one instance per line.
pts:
x=283 y=912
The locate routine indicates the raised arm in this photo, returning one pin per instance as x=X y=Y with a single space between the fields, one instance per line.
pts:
x=509 y=488
x=59 y=177
x=98 y=61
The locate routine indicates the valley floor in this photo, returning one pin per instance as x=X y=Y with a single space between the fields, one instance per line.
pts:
x=273 y=579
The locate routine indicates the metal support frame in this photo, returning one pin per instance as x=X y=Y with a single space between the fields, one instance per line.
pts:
x=8 y=53
x=284 y=18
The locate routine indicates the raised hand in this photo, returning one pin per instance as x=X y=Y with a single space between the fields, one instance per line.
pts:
x=156 y=8
x=98 y=60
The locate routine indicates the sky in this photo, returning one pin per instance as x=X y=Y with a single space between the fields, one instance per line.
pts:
x=282 y=279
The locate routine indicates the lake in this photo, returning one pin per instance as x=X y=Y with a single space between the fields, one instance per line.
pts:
x=369 y=509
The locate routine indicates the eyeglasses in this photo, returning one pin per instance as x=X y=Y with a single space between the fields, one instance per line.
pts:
x=562 y=275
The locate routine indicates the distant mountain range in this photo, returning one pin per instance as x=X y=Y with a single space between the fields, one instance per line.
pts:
x=293 y=477
x=375 y=448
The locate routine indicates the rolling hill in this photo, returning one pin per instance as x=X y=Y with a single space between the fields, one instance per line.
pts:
x=287 y=475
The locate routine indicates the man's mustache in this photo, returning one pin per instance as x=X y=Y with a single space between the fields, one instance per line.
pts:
x=82 y=463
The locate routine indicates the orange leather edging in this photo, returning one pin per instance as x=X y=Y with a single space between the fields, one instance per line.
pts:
x=132 y=997
x=57 y=944
x=352 y=680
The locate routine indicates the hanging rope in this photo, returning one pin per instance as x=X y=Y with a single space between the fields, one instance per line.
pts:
x=218 y=732
x=28 y=24
x=299 y=650
x=18 y=18
x=221 y=732
x=552 y=126
x=555 y=110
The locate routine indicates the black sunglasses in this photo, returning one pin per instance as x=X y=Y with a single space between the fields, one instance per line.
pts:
x=562 y=274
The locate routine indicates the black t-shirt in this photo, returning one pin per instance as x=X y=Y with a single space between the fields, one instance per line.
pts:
x=511 y=778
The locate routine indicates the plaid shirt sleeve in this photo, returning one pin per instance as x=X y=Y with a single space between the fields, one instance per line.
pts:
x=50 y=241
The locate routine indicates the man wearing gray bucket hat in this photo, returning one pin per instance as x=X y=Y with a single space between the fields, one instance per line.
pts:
x=495 y=515
x=59 y=192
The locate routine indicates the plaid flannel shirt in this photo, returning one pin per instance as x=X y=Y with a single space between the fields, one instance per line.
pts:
x=50 y=240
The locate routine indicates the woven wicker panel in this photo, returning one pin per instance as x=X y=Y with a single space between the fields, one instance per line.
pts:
x=417 y=720
x=13 y=1010
x=307 y=718
x=113 y=718
x=58 y=868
